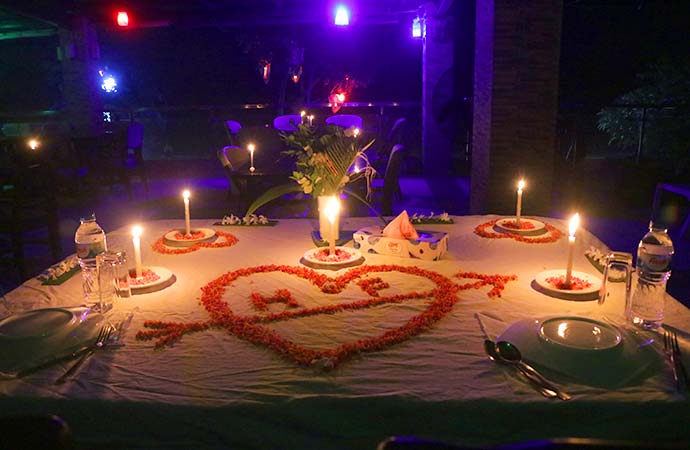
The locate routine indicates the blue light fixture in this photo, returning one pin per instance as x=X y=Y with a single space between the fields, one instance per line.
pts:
x=342 y=16
x=416 y=28
x=109 y=84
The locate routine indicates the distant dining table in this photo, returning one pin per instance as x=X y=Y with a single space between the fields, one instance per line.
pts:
x=246 y=347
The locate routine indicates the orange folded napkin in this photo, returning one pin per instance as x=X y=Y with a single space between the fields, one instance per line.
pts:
x=400 y=228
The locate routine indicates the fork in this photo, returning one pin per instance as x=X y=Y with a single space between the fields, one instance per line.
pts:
x=677 y=358
x=100 y=342
x=668 y=349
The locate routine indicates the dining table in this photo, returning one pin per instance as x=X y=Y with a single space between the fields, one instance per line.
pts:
x=245 y=346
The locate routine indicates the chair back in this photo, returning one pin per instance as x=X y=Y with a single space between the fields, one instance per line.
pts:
x=390 y=179
x=269 y=146
x=395 y=134
x=287 y=122
x=345 y=121
x=135 y=136
x=233 y=126
x=233 y=157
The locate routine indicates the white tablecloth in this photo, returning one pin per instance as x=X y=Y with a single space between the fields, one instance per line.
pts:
x=212 y=389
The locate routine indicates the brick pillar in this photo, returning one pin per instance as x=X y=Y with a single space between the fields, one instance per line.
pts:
x=437 y=91
x=79 y=56
x=517 y=48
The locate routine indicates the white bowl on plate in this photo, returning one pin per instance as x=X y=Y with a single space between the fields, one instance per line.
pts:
x=614 y=366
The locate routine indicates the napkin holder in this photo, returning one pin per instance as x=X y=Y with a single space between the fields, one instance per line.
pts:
x=430 y=246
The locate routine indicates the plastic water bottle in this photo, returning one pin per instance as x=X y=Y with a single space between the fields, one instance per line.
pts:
x=654 y=255
x=90 y=242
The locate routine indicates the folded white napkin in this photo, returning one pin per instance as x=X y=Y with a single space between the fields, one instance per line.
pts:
x=400 y=228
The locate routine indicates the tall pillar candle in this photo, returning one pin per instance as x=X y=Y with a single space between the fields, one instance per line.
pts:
x=572 y=228
x=251 y=149
x=518 y=208
x=332 y=211
x=136 y=241
x=187 y=224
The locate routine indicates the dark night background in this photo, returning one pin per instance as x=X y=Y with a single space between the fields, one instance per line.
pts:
x=605 y=45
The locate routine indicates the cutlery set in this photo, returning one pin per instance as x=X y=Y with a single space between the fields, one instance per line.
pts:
x=108 y=335
x=672 y=351
x=504 y=352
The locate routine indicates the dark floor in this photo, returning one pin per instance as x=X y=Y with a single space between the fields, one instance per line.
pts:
x=620 y=224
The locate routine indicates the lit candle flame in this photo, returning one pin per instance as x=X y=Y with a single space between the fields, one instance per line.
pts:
x=136 y=231
x=33 y=144
x=186 y=195
x=332 y=209
x=356 y=132
x=574 y=223
x=302 y=113
x=521 y=185
x=251 y=148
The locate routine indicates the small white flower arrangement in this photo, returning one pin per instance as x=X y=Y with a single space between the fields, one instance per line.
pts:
x=251 y=219
x=56 y=271
x=598 y=260
x=431 y=218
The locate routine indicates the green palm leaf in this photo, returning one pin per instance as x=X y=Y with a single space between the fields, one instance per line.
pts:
x=272 y=194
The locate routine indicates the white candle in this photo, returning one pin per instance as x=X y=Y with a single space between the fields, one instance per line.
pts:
x=518 y=209
x=187 y=225
x=332 y=210
x=251 y=149
x=311 y=119
x=301 y=116
x=136 y=235
x=572 y=228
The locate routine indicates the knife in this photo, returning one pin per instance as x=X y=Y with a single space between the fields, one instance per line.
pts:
x=57 y=360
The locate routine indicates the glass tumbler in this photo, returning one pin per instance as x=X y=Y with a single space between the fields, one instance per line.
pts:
x=106 y=282
x=121 y=274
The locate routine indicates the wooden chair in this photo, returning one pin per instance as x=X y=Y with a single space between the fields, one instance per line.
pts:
x=390 y=185
x=681 y=190
x=44 y=432
x=232 y=128
x=232 y=158
x=345 y=121
x=28 y=204
x=287 y=123
x=135 y=145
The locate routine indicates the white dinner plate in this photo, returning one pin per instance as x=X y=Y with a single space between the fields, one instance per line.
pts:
x=24 y=353
x=539 y=227
x=625 y=364
x=548 y=288
x=172 y=240
x=38 y=323
x=580 y=333
x=164 y=276
x=354 y=255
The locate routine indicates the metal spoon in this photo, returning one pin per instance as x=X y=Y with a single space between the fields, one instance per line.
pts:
x=510 y=353
x=490 y=349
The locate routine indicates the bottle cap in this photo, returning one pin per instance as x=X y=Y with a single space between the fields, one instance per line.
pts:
x=88 y=218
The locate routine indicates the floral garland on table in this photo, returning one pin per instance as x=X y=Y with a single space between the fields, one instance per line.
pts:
x=160 y=247
x=251 y=219
x=60 y=272
x=250 y=328
x=553 y=234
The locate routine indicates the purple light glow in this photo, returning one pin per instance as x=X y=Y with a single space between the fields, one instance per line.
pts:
x=342 y=15
x=416 y=28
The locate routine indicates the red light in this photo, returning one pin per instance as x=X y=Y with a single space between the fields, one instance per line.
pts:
x=122 y=19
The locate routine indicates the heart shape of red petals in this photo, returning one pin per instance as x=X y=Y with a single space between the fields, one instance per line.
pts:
x=250 y=328
x=229 y=240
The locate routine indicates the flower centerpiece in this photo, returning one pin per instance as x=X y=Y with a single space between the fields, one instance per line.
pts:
x=327 y=159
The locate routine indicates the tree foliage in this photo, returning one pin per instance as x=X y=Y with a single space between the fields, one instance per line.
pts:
x=665 y=90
